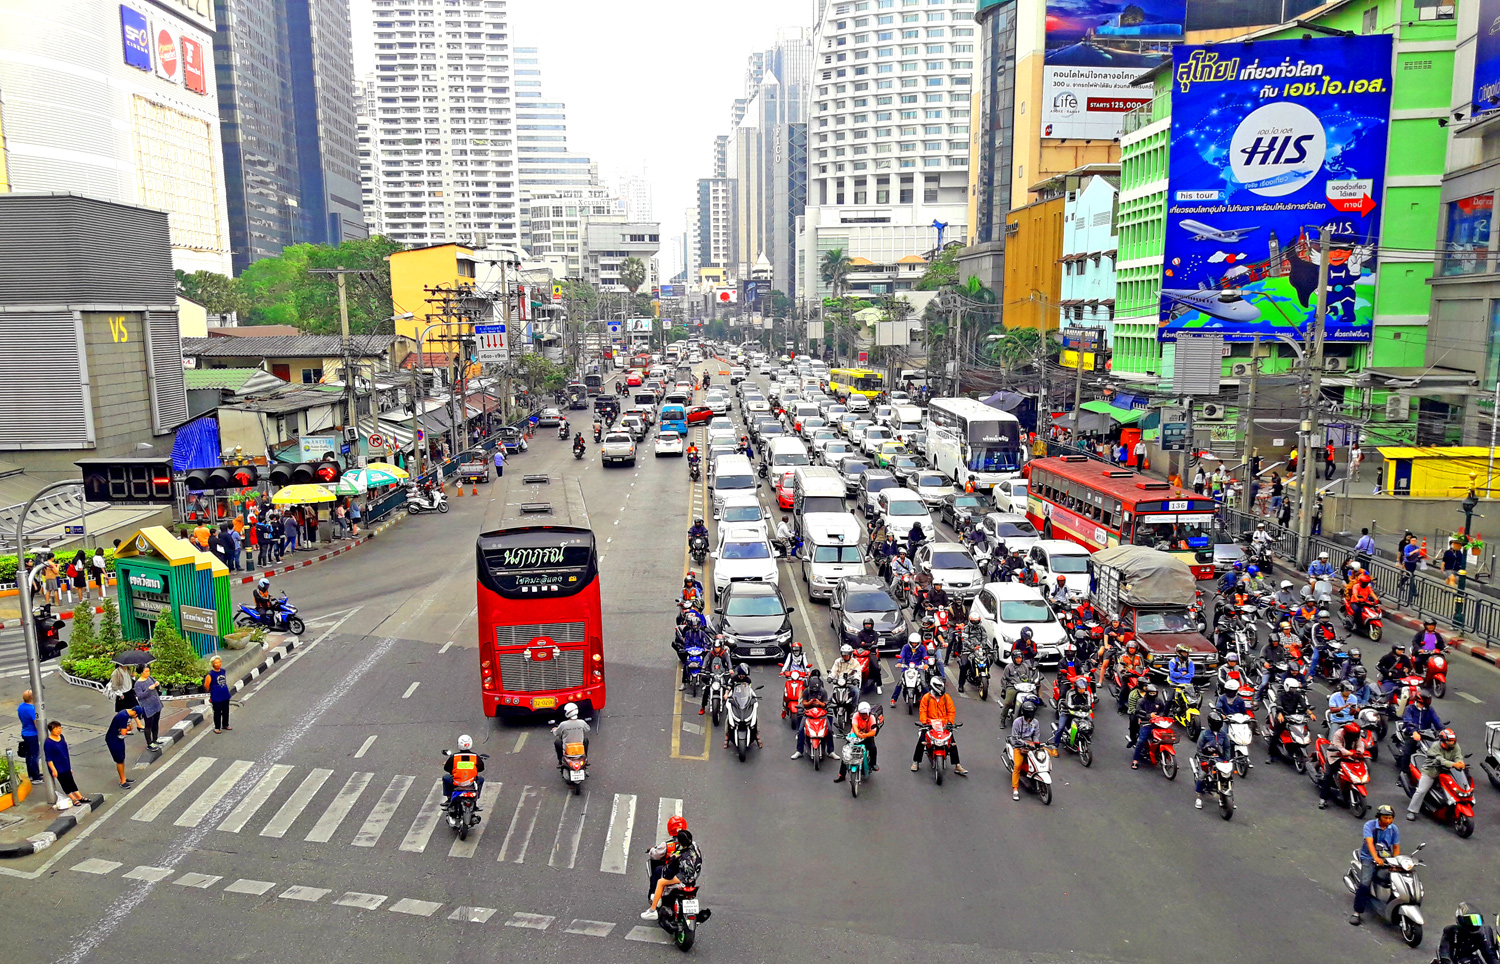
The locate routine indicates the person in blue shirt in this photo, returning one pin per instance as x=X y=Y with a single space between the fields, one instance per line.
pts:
x=1419 y=717
x=1364 y=693
x=217 y=682
x=1342 y=705
x=1365 y=547
x=31 y=743
x=1231 y=579
x=500 y=461
x=1381 y=835
x=60 y=761
x=114 y=738
x=1321 y=568
x=1180 y=669
x=1231 y=702
x=698 y=529
x=913 y=653
x=1212 y=745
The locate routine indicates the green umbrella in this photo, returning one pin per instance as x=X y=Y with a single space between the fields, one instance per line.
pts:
x=371 y=477
x=348 y=485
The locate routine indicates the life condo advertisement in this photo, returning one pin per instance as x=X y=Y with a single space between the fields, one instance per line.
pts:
x=1095 y=48
x=1274 y=142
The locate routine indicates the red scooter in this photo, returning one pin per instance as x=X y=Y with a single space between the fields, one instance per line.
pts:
x=1364 y=618
x=862 y=656
x=1161 y=749
x=1436 y=676
x=1353 y=782
x=937 y=737
x=791 y=694
x=1448 y=801
x=815 y=729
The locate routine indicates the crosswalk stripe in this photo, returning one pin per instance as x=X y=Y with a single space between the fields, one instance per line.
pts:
x=384 y=810
x=329 y=822
x=210 y=798
x=617 y=841
x=530 y=800
x=295 y=804
x=173 y=790
x=255 y=799
x=466 y=848
x=666 y=808
x=569 y=832
x=427 y=821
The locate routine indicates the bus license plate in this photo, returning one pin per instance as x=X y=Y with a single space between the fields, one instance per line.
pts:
x=544 y=703
x=758 y=651
x=690 y=907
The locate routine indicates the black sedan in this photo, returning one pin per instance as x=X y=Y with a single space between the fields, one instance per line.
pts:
x=755 y=620
x=857 y=598
x=964 y=505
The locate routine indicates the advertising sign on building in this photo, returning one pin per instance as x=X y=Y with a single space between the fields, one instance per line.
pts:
x=1487 y=58
x=1095 y=48
x=135 y=32
x=168 y=62
x=194 y=74
x=1273 y=144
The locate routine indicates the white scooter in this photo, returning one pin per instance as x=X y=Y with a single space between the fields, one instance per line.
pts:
x=1241 y=735
x=1395 y=894
x=1037 y=776
x=419 y=501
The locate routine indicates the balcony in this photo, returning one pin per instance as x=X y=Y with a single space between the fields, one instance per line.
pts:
x=1158 y=108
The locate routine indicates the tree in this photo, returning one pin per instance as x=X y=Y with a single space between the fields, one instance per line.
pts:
x=781 y=305
x=174 y=655
x=835 y=270
x=941 y=272
x=280 y=291
x=215 y=292
x=632 y=274
x=110 y=640
x=83 y=643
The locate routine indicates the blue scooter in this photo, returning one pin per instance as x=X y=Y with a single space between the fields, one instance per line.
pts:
x=283 y=618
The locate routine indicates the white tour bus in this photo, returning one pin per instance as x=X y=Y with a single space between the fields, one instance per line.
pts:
x=966 y=437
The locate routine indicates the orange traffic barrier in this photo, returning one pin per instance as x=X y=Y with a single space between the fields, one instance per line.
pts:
x=460 y=490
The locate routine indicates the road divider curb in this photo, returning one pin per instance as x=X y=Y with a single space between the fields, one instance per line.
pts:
x=56 y=829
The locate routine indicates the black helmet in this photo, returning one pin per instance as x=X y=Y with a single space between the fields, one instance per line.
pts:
x=1360 y=673
x=1028 y=707
x=743 y=669
x=1151 y=689
x=1026 y=632
x=698 y=521
x=1215 y=720
x=1354 y=653
x=869 y=624
x=1465 y=917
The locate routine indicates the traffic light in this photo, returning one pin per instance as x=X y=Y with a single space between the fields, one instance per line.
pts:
x=139 y=481
x=304 y=473
x=221 y=478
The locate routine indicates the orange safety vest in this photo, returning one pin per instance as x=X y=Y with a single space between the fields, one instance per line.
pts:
x=465 y=768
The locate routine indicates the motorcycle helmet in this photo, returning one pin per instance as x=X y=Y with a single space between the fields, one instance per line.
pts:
x=571 y=711
x=1465 y=917
x=869 y=624
x=937 y=686
x=914 y=638
x=1324 y=615
x=1026 y=632
x=698 y=521
x=1446 y=737
x=1182 y=649
x=846 y=650
x=1385 y=810
x=1232 y=657
x=1253 y=570
x=927 y=622
x=1351 y=728
x=743 y=669
x=264 y=584
x=466 y=743
x=1399 y=649
x=1293 y=684
x=720 y=642
x=1355 y=567
x=1215 y=720
x=1151 y=689
x=1239 y=566
x=1364 y=579
x=1132 y=646
x=1062 y=580
x=1347 y=687
x=1361 y=674
x=1081 y=684
x=676 y=824
x=1015 y=656
x=1028 y=707
x=1285 y=626
x=863 y=708
x=796 y=648
x=974 y=619
x=1323 y=556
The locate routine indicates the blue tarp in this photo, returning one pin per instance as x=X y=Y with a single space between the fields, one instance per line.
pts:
x=196 y=445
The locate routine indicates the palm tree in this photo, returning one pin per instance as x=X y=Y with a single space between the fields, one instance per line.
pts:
x=835 y=270
x=632 y=274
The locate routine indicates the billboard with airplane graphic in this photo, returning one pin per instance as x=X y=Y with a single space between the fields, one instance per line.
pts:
x=1274 y=143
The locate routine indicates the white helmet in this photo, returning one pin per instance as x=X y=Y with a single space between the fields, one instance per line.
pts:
x=466 y=742
x=1286 y=584
x=864 y=708
x=846 y=650
x=1355 y=567
x=1293 y=684
x=570 y=711
x=914 y=638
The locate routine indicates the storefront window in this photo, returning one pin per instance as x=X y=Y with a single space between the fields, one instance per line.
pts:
x=1467 y=246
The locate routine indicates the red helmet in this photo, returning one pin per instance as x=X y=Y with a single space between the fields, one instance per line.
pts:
x=1351 y=728
x=1364 y=578
x=1447 y=737
x=675 y=825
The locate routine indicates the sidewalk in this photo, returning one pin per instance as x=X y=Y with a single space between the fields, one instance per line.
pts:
x=85 y=714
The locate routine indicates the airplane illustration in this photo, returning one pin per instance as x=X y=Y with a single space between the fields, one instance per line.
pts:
x=1204 y=232
x=1225 y=304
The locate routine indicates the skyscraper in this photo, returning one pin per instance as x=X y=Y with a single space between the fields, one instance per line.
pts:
x=286 y=110
x=443 y=124
x=542 y=156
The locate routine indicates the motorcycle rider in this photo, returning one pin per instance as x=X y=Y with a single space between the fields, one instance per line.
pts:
x=1261 y=541
x=1020 y=670
x=1253 y=583
x=1231 y=702
x=1024 y=729
x=1286 y=596
x=1468 y=940
x=846 y=665
x=684 y=854
x=868 y=639
x=1213 y=744
x=570 y=730
x=913 y=653
x=742 y=675
x=717 y=661
x=864 y=725
x=1059 y=593
x=1364 y=693
x=796 y=659
x=262 y=597
x=1418 y=718
x=461 y=768
x=1394 y=666
x=1076 y=702
x=1292 y=700
x=1355 y=661
x=697 y=530
x=1363 y=594
x=1321 y=568
x=1277 y=650
x=915 y=537
x=1342 y=706
x=937 y=705
x=1232 y=578
x=1132 y=663
x=900 y=566
x=691 y=632
x=1230 y=675
x=972 y=637
x=1426 y=642
x=1025 y=644
x=1343 y=744
x=657 y=855
x=692 y=590
x=1145 y=703
x=1180 y=668
x=1380 y=834
x=579 y=445
x=1324 y=638
x=786 y=537
x=598 y=430
x=813 y=695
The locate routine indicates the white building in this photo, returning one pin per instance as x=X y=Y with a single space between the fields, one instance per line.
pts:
x=442 y=123
x=635 y=190
x=1090 y=214
x=607 y=243
x=558 y=224
x=542 y=157
x=888 y=131
x=117 y=101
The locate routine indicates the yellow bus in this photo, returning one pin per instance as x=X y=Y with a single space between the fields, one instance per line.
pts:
x=856 y=381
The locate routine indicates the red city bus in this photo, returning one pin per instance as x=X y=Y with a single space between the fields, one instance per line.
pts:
x=1098 y=505
x=541 y=628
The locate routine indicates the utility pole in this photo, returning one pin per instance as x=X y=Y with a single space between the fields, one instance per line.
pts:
x=351 y=375
x=1307 y=476
x=1248 y=431
x=1077 y=387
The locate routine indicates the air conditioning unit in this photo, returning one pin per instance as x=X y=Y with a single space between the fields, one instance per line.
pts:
x=1335 y=364
x=1398 y=408
x=1241 y=369
x=1211 y=412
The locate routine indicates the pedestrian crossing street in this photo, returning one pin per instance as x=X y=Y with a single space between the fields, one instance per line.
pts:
x=544 y=823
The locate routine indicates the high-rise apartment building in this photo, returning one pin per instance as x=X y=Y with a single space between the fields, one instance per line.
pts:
x=608 y=243
x=542 y=156
x=635 y=191
x=558 y=223
x=715 y=232
x=442 y=123
x=284 y=70
x=888 y=131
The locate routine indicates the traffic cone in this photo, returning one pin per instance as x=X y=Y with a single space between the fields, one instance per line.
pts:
x=1424 y=548
x=474 y=488
x=460 y=492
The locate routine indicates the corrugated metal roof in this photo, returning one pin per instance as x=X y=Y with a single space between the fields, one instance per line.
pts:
x=284 y=346
x=232 y=379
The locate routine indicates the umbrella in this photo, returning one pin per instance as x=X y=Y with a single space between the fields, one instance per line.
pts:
x=134 y=657
x=303 y=495
x=372 y=477
x=387 y=468
x=348 y=485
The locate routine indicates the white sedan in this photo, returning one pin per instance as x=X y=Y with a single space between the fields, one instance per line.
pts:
x=743 y=556
x=717 y=403
x=721 y=428
x=1006 y=608
x=617 y=447
x=951 y=567
x=668 y=443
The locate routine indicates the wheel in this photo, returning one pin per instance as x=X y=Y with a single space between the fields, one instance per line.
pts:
x=854 y=779
x=817 y=757
x=1086 y=753
x=243 y=621
x=1194 y=729
x=442 y=507
x=1359 y=805
x=1299 y=762
x=1375 y=633
x=684 y=939
x=1044 y=791
x=463 y=829
x=984 y=691
x=577 y=788
x=742 y=754
x=910 y=706
x=1241 y=766
x=1226 y=805
x=938 y=768
x=718 y=714
x=295 y=625
x=1411 y=931
x=1464 y=827
x=1441 y=689
x=1169 y=765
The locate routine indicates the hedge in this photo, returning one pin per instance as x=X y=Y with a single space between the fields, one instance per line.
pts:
x=8 y=563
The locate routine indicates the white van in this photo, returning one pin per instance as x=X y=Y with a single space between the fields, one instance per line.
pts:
x=816 y=489
x=905 y=418
x=731 y=474
x=785 y=450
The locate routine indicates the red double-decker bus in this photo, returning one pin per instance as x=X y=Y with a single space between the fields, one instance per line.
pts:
x=541 y=629
x=1098 y=505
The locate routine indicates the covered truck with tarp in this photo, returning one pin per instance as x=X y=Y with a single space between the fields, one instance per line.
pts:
x=1153 y=594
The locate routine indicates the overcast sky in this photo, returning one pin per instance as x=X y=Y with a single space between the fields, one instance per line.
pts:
x=646 y=83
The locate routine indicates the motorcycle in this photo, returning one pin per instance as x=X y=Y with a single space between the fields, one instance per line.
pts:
x=815 y=729
x=598 y=432
x=48 y=632
x=979 y=668
x=1364 y=619
x=563 y=433
x=1036 y=775
x=283 y=618
x=1436 y=675
x=579 y=449
x=718 y=681
x=841 y=702
x=1161 y=749
x=1294 y=741
x=698 y=548
x=432 y=500
x=937 y=737
x=791 y=694
x=1218 y=779
x=574 y=766
x=1395 y=893
x=744 y=715
x=1353 y=783
x=856 y=762
x=680 y=911
x=458 y=809
x=695 y=473
x=695 y=668
x=1023 y=689
x=1185 y=710
x=1448 y=801
x=1079 y=738
x=1241 y=734
x=911 y=687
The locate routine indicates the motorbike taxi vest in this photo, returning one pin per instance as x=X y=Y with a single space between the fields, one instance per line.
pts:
x=465 y=768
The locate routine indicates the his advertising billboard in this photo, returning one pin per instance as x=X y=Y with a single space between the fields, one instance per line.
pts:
x=1095 y=48
x=1274 y=143
x=1487 y=57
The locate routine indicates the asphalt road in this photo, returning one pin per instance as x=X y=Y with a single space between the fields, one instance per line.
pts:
x=302 y=834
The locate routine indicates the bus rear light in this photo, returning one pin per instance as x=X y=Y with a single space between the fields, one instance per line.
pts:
x=598 y=658
x=598 y=674
x=489 y=682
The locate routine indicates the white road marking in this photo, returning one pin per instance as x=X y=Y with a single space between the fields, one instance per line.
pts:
x=590 y=928
x=94 y=865
x=564 y=844
x=200 y=881
x=411 y=689
x=535 y=922
x=520 y=742
x=365 y=746
x=444 y=648
x=466 y=848
x=254 y=888
x=362 y=901
x=530 y=799
x=310 y=895
x=812 y=637
x=427 y=820
x=329 y=822
x=147 y=872
x=295 y=804
x=384 y=810
x=169 y=794
x=210 y=798
x=648 y=934
x=255 y=799
x=1470 y=697
x=416 y=908
x=617 y=841
x=472 y=915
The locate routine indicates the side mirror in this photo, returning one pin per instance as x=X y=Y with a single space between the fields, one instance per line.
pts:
x=792 y=609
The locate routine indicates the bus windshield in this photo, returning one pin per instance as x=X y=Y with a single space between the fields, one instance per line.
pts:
x=1168 y=536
